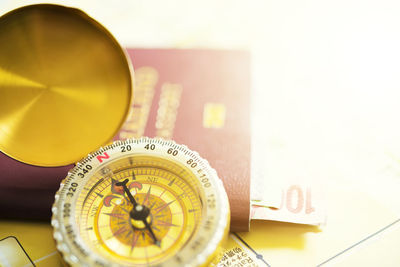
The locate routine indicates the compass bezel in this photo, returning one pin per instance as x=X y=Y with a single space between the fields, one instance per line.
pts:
x=200 y=250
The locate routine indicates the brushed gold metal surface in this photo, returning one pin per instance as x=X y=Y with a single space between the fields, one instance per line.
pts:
x=65 y=85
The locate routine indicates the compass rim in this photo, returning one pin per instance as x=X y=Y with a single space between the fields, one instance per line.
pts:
x=220 y=233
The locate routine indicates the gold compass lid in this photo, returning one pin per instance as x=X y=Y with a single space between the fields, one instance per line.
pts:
x=65 y=85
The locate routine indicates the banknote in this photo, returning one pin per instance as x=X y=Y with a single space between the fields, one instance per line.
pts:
x=297 y=204
x=280 y=189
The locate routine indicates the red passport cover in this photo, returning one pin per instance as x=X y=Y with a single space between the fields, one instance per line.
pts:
x=200 y=98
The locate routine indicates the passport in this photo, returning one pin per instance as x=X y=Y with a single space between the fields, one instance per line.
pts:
x=200 y=98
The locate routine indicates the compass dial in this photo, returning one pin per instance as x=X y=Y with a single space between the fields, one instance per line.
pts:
x=141 y=202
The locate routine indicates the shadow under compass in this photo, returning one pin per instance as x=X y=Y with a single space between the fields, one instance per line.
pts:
x=271 y=234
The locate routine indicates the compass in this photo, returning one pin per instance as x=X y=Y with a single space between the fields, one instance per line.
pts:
x=141 y=202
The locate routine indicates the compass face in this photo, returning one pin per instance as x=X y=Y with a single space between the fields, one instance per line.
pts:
x=141 y=202
x=104 y=210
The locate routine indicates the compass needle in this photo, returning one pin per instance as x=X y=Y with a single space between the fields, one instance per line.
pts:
x=158 y=208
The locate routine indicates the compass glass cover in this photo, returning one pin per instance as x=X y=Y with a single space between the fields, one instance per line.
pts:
x=144 y=202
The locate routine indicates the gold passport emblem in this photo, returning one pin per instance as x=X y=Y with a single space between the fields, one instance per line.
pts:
x=146 y=79
x=214 y=115
x=168 y=109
